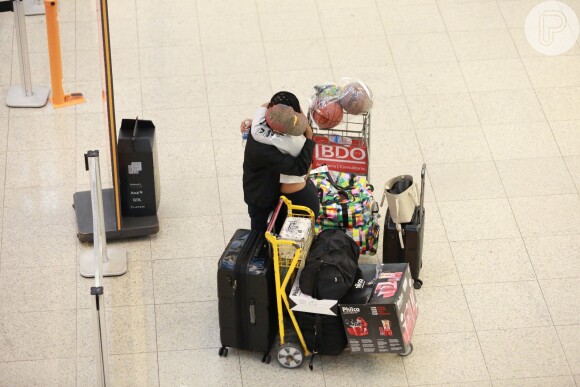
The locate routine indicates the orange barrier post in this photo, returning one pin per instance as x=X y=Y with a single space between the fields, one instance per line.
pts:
x=59 y=98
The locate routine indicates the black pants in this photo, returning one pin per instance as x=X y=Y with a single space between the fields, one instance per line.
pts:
x=307 y=196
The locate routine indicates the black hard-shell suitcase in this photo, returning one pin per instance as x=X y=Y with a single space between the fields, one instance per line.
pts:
x=412 y=239
x=246 y=294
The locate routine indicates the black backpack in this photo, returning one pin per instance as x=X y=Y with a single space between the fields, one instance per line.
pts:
x=331 y=266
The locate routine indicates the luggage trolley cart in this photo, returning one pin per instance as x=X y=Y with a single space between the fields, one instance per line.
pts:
x=289 y=254
x=344 y=148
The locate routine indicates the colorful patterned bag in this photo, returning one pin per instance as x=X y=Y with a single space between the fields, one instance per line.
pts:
x=346 y=202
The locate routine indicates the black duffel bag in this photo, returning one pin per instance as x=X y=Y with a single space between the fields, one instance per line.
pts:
x=323 y=334
x=331 y=266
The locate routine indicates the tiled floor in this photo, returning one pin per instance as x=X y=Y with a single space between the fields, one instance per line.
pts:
x=456 y=85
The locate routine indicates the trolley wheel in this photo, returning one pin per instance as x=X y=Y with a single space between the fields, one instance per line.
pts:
x=418 y=283
x=267 y=358
x=223 y=352
x=290 y=355
x=408 y=352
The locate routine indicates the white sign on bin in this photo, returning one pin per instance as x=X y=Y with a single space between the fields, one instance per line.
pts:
x=305 y=303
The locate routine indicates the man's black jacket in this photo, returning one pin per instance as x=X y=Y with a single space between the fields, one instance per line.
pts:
x=263 y=165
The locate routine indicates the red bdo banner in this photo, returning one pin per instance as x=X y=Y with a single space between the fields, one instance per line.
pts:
x=351 y=158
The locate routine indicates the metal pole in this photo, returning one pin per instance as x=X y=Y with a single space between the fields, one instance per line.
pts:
x=100 y=255
x=22 y=47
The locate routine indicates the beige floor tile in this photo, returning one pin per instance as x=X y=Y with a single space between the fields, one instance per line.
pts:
x=31 y=207
x=445 y=358
x=431 y=78
x=544 y=251
x=559 y=103
x=421 y=48
x=88 y=37
x=521 y=141
x=563 y=300
x=231 y=195
x=255 y=374
x=567 y=134
x=125 y=64
x=515 y=12
x=534 y=177
x=41 y=132
x=405 y=19
x=481 y=15
x=124 y=370
x=49 y=373
x=490 y=261
x=219 y=7
x=38 y=246
x=450 y=145
x=232 y=222
x=434 y=227
x=229 y=158
x=442 y=309
x=124 y=34
x=151 y=9
x=308 y=6
x=438 y=265
x=402 y=147
x=478 y=219
x=185 y=368
x=91 y=131
x=229 y=28
x=177 y=161
x=253 y=89
x=507 y=305
x=552 y=212
x=156 y=62
x=184 y=326
x=506 y=107
x=483 y=45
x=135 y=287
x=464 y=181
x=444 y=110
x=46 y=168
x=570 y=339
x=168 y=32
x=180 y=125
x=359 y=51
x=173 y=93
x=189 y=197
x=128 y=97
x=362 y=23
x=524 y=47
x=3 y=108
x=130 y=330
x=304 y=26
x=37 y=335
x=523 y=353
x=548 y=71
x=229 y=58
x=37 y=38
x=200 y=240
x=3 y=134
x=392 y=114
x=562 y=381
x=305 y=54
x=573 y=163
x=386 y=370
x=92 y=92
x=22 y=293
x=185 y=280
x=497 y=74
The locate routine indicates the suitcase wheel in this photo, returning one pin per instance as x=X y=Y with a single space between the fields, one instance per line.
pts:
x=418 y=283
x=266 y=358
x=290 y=355
x=408 y=352
x=223 y=352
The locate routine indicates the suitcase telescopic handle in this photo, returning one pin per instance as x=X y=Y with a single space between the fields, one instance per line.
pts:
x=274 y=215
x=422 y=200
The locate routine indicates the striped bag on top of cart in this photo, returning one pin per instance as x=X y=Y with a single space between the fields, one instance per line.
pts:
x=347 y=203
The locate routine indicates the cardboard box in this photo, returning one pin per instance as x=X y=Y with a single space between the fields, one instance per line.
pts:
x=379 y=315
